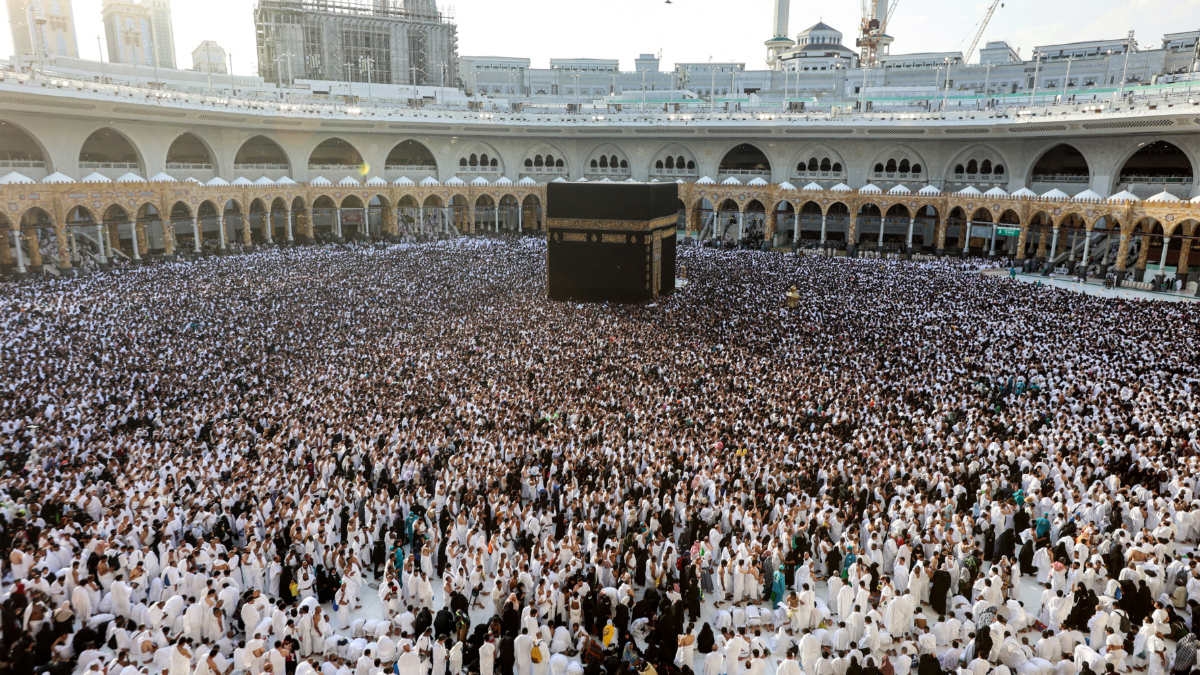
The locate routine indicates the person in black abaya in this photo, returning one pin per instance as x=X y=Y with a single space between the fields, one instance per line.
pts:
x=938 y=591
x=705 y=640
x=1082 y=609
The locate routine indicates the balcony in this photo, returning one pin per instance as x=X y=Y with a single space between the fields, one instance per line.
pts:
x=607 y=172
x=543 y=172
x=21 y=164
x=259 y=166
x=124 y=166
x=189 y=166
x=819 y=175
x=978 y=179
x=1060 y=178
x=411 y=170
x=674 y=173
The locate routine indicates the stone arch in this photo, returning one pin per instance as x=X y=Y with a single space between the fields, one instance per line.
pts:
x=277 y=219
x=509 y=214
x=783 y=213
x=819 y=162
x=353 y=217
x=335 y=154
x=531 y=213
x=190 y=152
x=486 y=214
x=150 y=232
x=544 y=159
x=324 y=218
x=1152 y=167
x=411 y=157
x=837 y=221
x=37 y=227
x=460 y=212
x=258 y=220
x=728 y=218
x=261 y=154
x=1061 y=163
x=984 y=156
x=110 y=151
x=702 y=215
x=607 y=160
x=956 y=225
x=899 y=163
x=480 y=158
x=674 y=160
x=744 y=159
x=21 y=150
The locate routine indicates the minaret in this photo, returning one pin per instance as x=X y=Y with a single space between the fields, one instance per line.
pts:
x=779 y=42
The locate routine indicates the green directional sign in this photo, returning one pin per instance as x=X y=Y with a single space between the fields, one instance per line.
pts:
x=1008 y=231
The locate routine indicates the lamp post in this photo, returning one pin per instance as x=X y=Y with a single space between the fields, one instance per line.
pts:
x=1130 y=45
x=987 y=87
x=1067 y=78
x=366 y=63
x=946 y=85
x=1037 y=66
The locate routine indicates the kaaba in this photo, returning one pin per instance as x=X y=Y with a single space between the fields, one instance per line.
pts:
x=611 y=241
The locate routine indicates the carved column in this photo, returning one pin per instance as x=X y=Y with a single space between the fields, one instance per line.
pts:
x=1123 y=251
x=35 y=247
x=63 y=243
x=1021 y=239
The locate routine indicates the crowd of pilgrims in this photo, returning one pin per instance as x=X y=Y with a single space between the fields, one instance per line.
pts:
x=405 y=459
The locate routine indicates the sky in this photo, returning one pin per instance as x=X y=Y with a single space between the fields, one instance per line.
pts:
x=691 y=30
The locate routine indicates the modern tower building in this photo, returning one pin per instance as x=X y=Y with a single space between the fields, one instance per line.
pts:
x=210 y=57
x=384 y=41
x=42 y=28
x=139 y=32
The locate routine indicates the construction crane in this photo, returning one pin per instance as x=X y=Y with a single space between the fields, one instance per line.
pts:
x=983 y=26
x=872 y=37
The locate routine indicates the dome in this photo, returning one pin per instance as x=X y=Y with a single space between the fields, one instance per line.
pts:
x=161 y=177
x=479 y=181
x=757 y=182
x=58 y=178
x=929 y=191
x=787 y=186
x=320 y=181
x=900 y=190
x=814 y=187
x=841 y=187
x=348 y=181
x=969 y=191
x=996 y=192
x=376 y=181
x=1055 y=194
x=403 y=181
x=1164 y=196
x=560 y=179
x=732 y=180
x=429 y=181
x=15 y=178
x=217 y=182
x=242 y=181
x=264 y=181
x=705 y=180
x=131 y=177
x=284 y=181
x=870 y=189
x=504 y=180
x=1024 y=193
x=454 y=181
x=526 y=182
x=1087 y=196
x=1125 y=196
